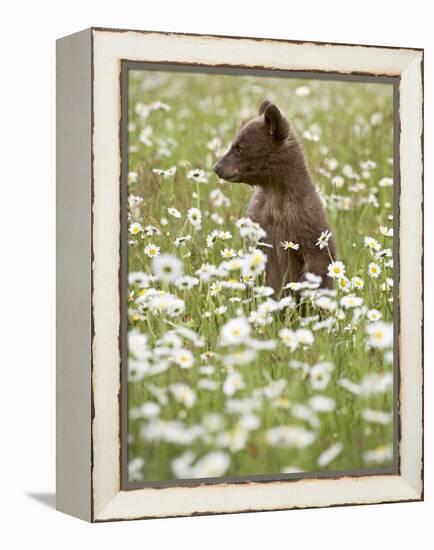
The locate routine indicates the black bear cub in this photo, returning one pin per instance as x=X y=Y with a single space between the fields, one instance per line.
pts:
x=266 y=154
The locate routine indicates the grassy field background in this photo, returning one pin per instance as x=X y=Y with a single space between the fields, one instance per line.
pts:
x=200 y=407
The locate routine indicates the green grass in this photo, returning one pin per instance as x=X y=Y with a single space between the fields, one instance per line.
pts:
x=353 y=124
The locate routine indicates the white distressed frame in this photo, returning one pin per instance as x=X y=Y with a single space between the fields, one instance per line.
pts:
x=107 y=500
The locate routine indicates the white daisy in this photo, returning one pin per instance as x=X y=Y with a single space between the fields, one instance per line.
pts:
x=302 y=91
x=336 y=270
x=379 y=455
x=233 y=383
x=357 y=283
x=194 y=216
x=320 y=375
x=290 y=436
x=184 y=358
x=183 y=394
x=228 y=253
x=214 y=464
x=198 y=175
x=305 y=336
x=167 y=268
x=289 y=245
x=174 y=212
x=377 y=417
x=152 y=250
x=321 y=403
x=254 y=263
x=351 y=301
x=186 y=282
x=182 y=240
x=135 y=228
x=235 y=331
x=374 y=270
x=329 y=454
x=386 y=231
x=385 y=182
x=289 y=338
x=373 y=315
x=323 y=239
x=344 y=284
x=380 y=335
x=372 y=243
x=132 y=177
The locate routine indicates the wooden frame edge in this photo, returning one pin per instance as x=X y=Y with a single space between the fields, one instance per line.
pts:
x=104 y=513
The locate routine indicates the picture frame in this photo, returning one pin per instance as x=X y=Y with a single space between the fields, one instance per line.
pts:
x=91 y=336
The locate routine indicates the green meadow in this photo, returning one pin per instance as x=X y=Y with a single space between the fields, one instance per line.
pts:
x=226 y=378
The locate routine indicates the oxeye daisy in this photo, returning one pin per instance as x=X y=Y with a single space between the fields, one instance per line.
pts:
x=233 y=383
x=194 y=216
x=186 y=282
x=254 y=263
x=338 y=181
x=385 y=182
x=357 y=283
x=132 y=177
x=373 y=315
x=151 y=230
x=386 y=231
x=383 y=253
x=374 y=270
x=323 y=239
x=380 y=334
x=215 y=288
x=289 y=245
x=320 y=375
x=181 y=240
x=330 y=454
x=302 y=91
x=263 y=291
x=167 y=268
x=174 y=212
x=372 y=243
x=351 y=301
x=135 y=228
x=336 y=270
x=145 y=136
x=183 y=394
x=152 y=250
x=344 y=284
x=325 y=302
x=228 y=253
x=198 y=175
x=206 y=271
x=387 y=285
x=305 y=336
x=235 y=331
x=379 y=455
x=165 y=173
x=289 y=338
x=184 y=358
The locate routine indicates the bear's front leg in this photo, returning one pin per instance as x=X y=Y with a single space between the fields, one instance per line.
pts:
x=275 y=277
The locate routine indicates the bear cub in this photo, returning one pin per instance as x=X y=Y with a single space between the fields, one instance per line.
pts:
x=266 y=154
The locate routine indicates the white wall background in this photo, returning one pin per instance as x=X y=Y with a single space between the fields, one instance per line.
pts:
x=29 y=30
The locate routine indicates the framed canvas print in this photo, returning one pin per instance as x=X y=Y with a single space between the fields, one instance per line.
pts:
x=239 y=274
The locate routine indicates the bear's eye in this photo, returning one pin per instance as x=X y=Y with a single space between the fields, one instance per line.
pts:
x=237 y=148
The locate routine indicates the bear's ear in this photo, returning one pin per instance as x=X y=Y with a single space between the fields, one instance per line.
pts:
x=263 y=106
x=277 y=124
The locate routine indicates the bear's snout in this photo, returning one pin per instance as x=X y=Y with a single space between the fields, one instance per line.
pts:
x=225 y=170
x=218 y=168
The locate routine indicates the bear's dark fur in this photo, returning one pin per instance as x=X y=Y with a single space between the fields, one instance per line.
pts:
x=266 y=154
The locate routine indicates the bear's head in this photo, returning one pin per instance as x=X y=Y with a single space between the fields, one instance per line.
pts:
x=258 y=149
